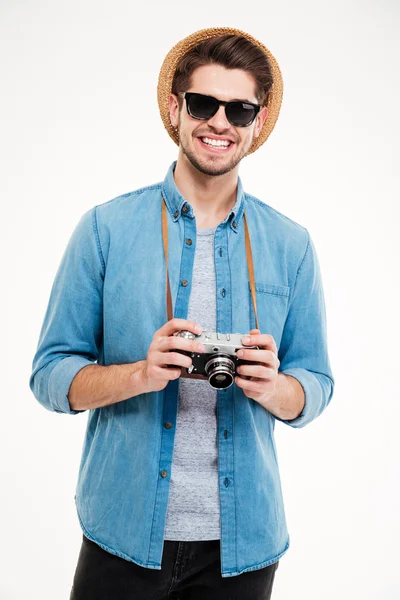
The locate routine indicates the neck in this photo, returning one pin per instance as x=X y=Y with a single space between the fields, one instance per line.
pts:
x=212 y=197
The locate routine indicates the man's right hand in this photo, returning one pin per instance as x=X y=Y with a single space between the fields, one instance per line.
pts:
x=156 y=374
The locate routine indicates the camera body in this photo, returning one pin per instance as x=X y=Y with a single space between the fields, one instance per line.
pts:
x=219 y=362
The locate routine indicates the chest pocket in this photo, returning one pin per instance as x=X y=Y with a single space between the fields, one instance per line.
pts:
x=272 y=305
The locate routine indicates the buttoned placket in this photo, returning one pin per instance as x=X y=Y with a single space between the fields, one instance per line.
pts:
x=224 y=396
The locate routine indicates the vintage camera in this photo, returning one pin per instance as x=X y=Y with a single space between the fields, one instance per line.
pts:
x=219 y=362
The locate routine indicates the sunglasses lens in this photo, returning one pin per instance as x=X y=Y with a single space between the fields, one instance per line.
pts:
x=240 y=113
x=202 y=107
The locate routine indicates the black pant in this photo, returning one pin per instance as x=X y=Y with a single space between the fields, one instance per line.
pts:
x=189 y=571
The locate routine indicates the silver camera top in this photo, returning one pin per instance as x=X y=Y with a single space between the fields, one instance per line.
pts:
x=216 y=342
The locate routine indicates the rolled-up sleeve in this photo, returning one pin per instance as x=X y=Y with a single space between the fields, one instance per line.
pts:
x=71 y=335
x=303 y=352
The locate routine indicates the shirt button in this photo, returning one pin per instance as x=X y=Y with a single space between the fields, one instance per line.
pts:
x=184 y=283
x=223 y=293
x=189 y=242
x=176 y=213
x=185 y=208
x=234 y=224
x=168 y=425
x=163 y=473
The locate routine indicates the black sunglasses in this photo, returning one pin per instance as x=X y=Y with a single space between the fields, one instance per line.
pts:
x=202 y=107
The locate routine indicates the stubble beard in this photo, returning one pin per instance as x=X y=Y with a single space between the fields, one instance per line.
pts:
x=210 y=166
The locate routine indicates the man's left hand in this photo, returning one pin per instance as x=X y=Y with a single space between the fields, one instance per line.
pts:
x=263 y=375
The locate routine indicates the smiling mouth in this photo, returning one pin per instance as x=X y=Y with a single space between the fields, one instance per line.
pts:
x=216 y=149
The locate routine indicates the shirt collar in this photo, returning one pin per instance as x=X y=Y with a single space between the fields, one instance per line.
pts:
x=179 y=206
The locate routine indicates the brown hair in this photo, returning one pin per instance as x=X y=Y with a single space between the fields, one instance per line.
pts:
x=232 y=52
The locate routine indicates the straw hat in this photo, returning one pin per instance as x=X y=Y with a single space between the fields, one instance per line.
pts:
x=170 y=63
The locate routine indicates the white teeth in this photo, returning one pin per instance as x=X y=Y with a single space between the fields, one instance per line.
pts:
x=210 y=142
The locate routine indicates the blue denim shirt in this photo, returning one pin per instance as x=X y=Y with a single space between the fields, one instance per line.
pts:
x=108 y=299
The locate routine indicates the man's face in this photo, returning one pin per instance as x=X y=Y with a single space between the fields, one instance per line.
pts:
x=224 y=84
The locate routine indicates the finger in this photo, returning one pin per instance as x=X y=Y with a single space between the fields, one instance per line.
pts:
x=263 y=356
x=264 y=340
x=259 y=371
x=157 y=372
x=260 y=386
x=172 y=358
x=170 y=327
x=175 y=342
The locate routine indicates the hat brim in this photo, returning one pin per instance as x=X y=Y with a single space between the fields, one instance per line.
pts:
x=170 y=63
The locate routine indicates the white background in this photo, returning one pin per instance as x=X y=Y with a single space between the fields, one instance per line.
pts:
x=75 y=76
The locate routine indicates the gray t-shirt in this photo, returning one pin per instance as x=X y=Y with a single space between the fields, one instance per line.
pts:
x=193 y=507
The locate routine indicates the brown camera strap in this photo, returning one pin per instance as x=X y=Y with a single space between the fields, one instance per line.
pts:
x=249 y=257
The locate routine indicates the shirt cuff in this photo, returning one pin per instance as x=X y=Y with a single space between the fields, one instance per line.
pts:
x=60 y=381
x=313 y=397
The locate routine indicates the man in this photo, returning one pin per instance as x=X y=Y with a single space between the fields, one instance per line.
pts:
x=179 y=492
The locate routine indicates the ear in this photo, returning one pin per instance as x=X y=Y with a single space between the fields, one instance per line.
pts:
x=260 y=120
x=173 y=110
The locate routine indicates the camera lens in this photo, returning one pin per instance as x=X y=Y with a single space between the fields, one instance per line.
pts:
x=219 y=370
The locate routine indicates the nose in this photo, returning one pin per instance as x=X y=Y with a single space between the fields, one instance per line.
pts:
x=219 y=120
